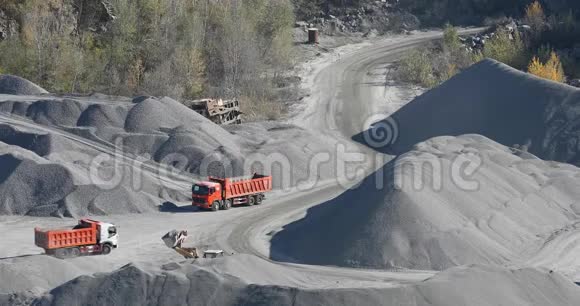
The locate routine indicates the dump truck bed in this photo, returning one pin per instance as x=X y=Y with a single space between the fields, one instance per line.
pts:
x=64 y=238
x=244 y=186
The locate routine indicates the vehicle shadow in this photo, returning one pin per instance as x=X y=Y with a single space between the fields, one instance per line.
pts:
x=21 y=256
x=170 y=207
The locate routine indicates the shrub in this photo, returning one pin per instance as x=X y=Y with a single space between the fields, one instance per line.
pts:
x=551 y=70
x=261 y=108
x=507 y=48
x=416 y=68
x=451 y=40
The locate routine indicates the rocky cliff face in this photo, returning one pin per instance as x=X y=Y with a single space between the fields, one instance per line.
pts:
x=8 y=26
x=94 y=15
x=64 y=16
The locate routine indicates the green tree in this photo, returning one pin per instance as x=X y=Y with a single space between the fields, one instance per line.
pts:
x=451 y=40
x=179 y=48
x=507 y=48
x=307 y=9
x=535 y=15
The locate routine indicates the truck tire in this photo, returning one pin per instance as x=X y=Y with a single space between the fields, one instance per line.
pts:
x=215 y=206
x=106 y=250
x=61 y=253
x=227 y=204
x=251 y=201
x=259 y=199
x=75 y=252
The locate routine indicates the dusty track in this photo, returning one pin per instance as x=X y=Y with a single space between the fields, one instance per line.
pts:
x=343 y=97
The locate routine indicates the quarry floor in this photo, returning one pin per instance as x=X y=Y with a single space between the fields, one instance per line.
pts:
x=348 y=88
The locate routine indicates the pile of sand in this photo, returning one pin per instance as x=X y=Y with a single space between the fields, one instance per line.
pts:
x=14 y=85
x=190 y=285
x=33 y=185
x=502 y=212
x=494 y=100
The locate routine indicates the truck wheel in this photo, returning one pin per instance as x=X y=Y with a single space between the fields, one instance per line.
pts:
x=75 y=252
x=251 y=201
x=215 y=206
x=106 y=249
x=259 y=199
x=227 y=204
x=61 y=253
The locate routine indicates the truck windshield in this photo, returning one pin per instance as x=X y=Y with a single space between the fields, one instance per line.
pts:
x=200 y=190
x=112 y=231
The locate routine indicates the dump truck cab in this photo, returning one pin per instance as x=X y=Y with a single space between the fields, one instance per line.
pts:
x=206 y=194
x=108 y=234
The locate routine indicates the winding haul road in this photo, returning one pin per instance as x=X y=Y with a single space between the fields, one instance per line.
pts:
x=344 y=95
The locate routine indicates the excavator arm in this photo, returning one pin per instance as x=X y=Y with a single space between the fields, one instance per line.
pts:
x=175 y=239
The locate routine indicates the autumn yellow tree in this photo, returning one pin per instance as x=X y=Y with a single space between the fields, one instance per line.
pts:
x=535 y=16
x=555 y=68
x=551 y=70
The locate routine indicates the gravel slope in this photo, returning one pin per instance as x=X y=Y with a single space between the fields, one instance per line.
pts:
x=107 y=155
x=515 y=204
x=186 y=284
x=494 y=100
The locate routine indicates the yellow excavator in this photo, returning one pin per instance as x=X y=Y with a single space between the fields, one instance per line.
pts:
x=174 y=240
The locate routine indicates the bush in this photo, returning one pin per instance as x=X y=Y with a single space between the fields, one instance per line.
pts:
x=551 y=70
x=256 y=109
x=416 y=68
x=507 y=48
x=430 y=67
x=451 y=40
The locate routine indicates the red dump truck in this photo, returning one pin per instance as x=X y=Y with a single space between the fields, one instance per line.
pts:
x=87 y=237
x=223 y=193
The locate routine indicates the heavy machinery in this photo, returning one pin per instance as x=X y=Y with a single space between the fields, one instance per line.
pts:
x=213 y=253
x=174 y=240
x=88 y=237
x=219 y=111
x=223 y=193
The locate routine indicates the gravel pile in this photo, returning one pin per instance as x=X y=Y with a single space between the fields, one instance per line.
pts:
x=70 y=133
x=416 y=213
x=494 y=100
x=33 y=185
x=14 y=85
x=188 y=284
x=28 y=187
